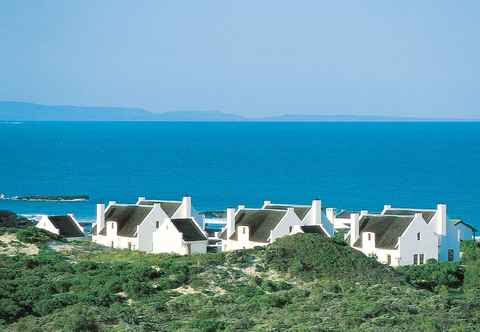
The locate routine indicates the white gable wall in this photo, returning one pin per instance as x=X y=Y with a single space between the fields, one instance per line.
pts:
x=464 y=233
x=285 y=226
x=46 y=224
x=148 y=226
x=409 y=245
x=167 y=239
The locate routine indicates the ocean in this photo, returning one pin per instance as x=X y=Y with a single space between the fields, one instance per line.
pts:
x=355 y=165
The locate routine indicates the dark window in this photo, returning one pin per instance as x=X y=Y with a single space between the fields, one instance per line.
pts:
x=112 y=244
x=389 y=259
x=290 y=229
x=112 y=225
x=369 y=236
x=450 y=255
x=418 y=236
x=189 y=248
x=243 y=230
x=415 y=259
x=129 y=245
x=157 y=224
x=422 y=258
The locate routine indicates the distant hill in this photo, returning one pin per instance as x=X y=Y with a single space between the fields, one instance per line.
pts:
x=20 y=111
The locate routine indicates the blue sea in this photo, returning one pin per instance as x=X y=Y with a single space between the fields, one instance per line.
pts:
x=347 y=165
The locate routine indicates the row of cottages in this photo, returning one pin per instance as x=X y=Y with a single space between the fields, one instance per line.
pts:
x=155 y=226
x=63 y=225
x=247 y=228
x=399 y=236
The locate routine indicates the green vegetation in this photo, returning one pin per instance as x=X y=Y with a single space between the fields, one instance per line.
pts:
x=300 y=283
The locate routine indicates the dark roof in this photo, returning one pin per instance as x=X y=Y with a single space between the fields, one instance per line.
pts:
x=189 y=229
x=259 y=221
x=128 y=217
x=214 y=214
x=66 y=226
x=427 y=214
x=316 y=229
x=168 y=206
x=300 y=210
x=387 y=229
x=345 y=214
x=460 y=221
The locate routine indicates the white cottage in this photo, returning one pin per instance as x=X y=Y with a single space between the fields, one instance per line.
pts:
x=182 y=236
x=464 y=231
x=394 y=239
x=64 y=225
x=312 y=214
x=437 y=219
x=131 y=226
x=247 y=228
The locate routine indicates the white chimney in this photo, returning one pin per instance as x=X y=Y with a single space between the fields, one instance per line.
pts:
x=100 y=217
x=187 y=206
x=363 y=212
x=441 y=226
x=387 y=207
x=316 y=212
x=331 y=215
x=241 y=207
x=140 y=199
x=112 y=203
x=265 y=203
x=230 y=222
x=354 y=228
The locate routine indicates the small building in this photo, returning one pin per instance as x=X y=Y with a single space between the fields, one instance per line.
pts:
x=63 y=225
x=180 y=236
x=464 y=231
x=439 y=222
x=312 y=214
x=131 y=226
x=247 y=228
x=394 y=239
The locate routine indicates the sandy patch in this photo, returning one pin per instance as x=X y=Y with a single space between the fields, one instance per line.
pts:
x=10 y=246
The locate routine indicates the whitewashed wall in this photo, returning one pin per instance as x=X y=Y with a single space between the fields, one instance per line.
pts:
x=409 y=245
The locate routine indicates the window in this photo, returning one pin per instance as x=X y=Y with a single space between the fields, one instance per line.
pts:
x=450 y=255
x=415 y=259
x=243 y=230
x=112 y=225
x=290 y=229
x=111 y=244
x=369 y=236
x=422 y=258
x=157 y=224
x=129 y=245
x=389 y=259
x=418 y=236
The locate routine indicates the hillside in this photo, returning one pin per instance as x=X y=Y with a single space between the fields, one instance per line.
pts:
x=20 y=111
x=301 y=283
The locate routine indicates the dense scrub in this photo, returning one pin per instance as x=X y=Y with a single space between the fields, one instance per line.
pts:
x=300 y=283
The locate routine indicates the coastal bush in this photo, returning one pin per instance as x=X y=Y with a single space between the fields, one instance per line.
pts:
x=434 y=274
x=32 y=234
x=304 y=283
x=312 y=256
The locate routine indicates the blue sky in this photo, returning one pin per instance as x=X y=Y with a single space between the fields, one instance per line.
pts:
x=255 y=58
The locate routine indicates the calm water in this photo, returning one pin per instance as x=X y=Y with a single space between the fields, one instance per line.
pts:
x=350 y=165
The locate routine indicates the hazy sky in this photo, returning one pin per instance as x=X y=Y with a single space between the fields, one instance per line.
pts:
x=412 y=58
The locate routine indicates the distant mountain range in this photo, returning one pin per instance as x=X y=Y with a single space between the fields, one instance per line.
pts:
x=20 y=111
